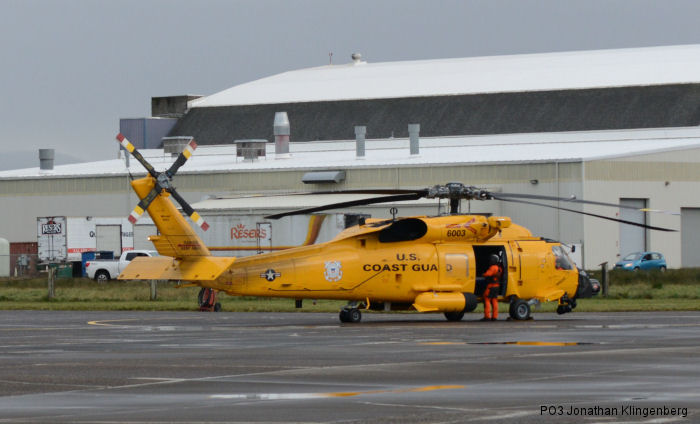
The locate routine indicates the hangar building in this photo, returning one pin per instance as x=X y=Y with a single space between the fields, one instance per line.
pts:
x=570 y=91
x=614 y=126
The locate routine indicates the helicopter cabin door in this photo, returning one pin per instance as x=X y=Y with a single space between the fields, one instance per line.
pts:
x=456 y=268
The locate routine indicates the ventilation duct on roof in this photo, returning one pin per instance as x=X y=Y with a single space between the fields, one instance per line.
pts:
x=360 y=132
x=413 y=132
x=357 y=59
x=250 y=149
x=46 y=157
x=175 y=145
x=282 y=131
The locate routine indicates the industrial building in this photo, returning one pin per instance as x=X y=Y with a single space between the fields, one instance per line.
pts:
x=615 y=126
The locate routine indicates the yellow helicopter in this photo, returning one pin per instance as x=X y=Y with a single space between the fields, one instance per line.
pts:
x=427 y=264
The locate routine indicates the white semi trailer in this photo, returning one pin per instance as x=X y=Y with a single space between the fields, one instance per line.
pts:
x=63 y=239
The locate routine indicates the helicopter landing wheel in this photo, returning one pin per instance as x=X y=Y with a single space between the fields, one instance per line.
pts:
x=454 y=316
x=519 y=310
x=352 y=315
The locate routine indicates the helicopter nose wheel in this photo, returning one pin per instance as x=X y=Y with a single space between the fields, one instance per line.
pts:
x=565 y=305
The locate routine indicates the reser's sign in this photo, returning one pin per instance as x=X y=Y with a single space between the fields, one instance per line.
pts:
x=241 y=232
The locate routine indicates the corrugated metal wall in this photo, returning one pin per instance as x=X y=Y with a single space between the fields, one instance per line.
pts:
x=604 y=180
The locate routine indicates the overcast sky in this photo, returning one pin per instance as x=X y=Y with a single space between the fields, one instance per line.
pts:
x=71 y=69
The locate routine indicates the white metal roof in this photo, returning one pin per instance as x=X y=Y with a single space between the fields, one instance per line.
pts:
x=471 y=75
x=457 y=150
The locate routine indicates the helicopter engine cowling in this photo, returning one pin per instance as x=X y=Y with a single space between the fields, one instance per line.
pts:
x=440 y=302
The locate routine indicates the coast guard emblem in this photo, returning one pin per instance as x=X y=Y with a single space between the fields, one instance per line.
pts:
x=334 y=271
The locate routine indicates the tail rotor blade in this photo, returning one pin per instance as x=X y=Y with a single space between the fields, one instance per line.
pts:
x=126 y=144
x=186 y=153
x=136 y=214
x=144 y=204
x=194 y=216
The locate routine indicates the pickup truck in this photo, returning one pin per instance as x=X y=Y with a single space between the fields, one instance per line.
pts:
x=105 y=270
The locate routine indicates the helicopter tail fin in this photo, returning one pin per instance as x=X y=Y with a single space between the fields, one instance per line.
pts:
x=177 y=238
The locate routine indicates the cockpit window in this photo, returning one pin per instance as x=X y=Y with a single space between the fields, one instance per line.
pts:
x=562 y=259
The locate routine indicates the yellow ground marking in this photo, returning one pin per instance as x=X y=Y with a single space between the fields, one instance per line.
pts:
x=408 y=390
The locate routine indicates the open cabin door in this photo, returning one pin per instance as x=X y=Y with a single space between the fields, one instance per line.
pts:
x=482 y=256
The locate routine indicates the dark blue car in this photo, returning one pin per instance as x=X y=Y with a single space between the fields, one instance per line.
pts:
x=642 y=260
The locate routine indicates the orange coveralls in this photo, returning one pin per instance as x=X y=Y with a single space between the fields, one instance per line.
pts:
x=493 y=276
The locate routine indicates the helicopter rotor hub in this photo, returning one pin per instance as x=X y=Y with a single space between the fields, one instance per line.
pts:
x=164 y=181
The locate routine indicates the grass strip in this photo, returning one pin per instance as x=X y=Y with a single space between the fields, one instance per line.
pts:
x=668 y=292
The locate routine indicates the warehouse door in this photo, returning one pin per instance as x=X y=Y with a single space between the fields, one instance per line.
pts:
x=633 y=238
x=109 y=238
x=141 y=234
x=690 y=237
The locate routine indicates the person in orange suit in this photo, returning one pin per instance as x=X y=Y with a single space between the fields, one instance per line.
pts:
x=493 y=283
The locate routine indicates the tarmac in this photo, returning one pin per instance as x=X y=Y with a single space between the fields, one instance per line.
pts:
x=134 y=367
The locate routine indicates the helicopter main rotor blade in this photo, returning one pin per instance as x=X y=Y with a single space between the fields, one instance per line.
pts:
x=650 y=227
x=182 y=158
x=587 y=202
x=339 y=205
x=194 y=216
x=311 y=193
x=126 y=144
x=423 y=192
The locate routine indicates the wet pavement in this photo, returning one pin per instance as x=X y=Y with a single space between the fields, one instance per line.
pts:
x=136 y=367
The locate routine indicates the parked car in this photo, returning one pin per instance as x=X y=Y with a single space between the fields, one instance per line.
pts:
x=105 y=270
x=642 y=260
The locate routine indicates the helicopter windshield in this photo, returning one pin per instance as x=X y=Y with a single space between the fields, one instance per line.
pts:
x=562 y=259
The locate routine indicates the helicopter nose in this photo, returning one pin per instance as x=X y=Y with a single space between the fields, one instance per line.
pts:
x=587 y=286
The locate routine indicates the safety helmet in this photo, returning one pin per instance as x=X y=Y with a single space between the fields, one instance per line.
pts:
x=494 y=259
